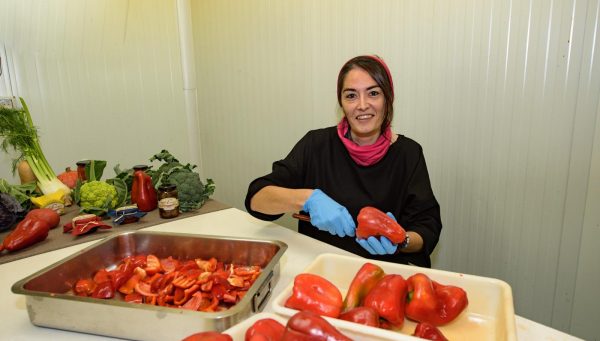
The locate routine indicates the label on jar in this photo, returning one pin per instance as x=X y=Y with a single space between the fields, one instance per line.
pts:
x=168 y=204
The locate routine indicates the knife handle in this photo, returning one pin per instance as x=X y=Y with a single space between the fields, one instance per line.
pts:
x=302 y=217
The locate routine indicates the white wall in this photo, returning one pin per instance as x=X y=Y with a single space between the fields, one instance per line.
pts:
x=503 y=96
x=102 y=79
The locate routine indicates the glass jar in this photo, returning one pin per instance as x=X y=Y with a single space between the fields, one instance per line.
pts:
x=168 y=202
x=81 y=169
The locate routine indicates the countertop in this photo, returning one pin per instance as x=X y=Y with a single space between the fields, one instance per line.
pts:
x=15 y=324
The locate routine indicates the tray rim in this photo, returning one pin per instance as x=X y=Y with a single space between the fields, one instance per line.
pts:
x=17 y=287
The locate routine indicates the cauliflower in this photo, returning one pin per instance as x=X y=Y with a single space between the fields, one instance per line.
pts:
x=98 y=194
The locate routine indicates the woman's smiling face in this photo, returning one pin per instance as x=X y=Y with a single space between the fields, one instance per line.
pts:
x=363 y=104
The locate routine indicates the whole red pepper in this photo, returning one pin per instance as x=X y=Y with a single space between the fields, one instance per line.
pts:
x=373 y=222
x=208 y=336
x=432 y=302
x=363 y=315
x=308 y=326
x=428 y=331
x=266 y=329
x=364 y=280
x=388 y=298
x=32 y=229
x=316 y=294
x=143 y=193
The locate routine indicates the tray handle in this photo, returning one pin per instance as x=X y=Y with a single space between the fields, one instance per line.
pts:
x=262 y=294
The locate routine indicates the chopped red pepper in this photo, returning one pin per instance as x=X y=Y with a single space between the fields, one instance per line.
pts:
x=364 y=280
x=316 y=294
x=104 y=290
x=432 y=302
x=266 y=329
x=373 y=222
x=428 y=331
x=306 y=325
x=388 y=298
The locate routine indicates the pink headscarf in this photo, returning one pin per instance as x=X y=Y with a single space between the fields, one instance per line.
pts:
x=371 y=154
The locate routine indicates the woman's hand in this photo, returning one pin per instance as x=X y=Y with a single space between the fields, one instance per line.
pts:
x=381 y=246
x=327 y=215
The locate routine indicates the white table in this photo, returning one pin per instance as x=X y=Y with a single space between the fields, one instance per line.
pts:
x=14 y=321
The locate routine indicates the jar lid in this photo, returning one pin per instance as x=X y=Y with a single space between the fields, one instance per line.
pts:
x=82 y=162
x=140 y=167
x=167 y=187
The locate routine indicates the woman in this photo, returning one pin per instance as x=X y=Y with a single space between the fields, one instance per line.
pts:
x=331 y=173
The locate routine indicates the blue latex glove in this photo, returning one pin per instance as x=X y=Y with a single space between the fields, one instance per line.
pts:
x=328 y=215
x=379 y=246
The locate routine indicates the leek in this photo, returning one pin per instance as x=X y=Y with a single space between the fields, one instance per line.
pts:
x=19 y=133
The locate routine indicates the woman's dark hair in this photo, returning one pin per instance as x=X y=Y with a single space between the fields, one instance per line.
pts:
x=377 y=69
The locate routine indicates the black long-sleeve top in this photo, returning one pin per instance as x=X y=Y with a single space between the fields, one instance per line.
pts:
x=398 y=183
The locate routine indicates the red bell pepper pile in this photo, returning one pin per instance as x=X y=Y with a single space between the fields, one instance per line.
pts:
x=382 y=300
x=203 y=285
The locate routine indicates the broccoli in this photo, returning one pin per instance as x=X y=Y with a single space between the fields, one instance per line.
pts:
x=192 y=192
x=98 y=194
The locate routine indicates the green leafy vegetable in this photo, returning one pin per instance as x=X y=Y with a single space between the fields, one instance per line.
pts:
x=192 y=192
x=19 y=133
x=20 y=192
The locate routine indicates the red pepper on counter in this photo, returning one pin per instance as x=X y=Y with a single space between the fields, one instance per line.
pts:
x=308 y=326
x=363 y=315
x=143 y=193
x=32 y=229
x=428 y=331
x=388 y=298
x=266 y=329
x=316 y=294
x=364 y=280
x=432 y=302
x=373 y=222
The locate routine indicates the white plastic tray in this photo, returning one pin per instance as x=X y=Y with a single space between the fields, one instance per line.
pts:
x=489 y=315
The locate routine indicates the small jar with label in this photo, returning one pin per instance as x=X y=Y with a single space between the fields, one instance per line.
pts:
x=168 y=202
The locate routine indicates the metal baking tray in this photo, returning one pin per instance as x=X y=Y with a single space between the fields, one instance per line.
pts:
x=51 y=304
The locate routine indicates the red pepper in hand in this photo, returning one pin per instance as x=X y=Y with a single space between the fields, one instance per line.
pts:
x=316 y=294
x=428 y=331
x=142 y=192
x=373 y=222
x=308 y=326
x=432 y=302
x=266 y=329
x=364 y=280
x=388 y=298
x=363 y=315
